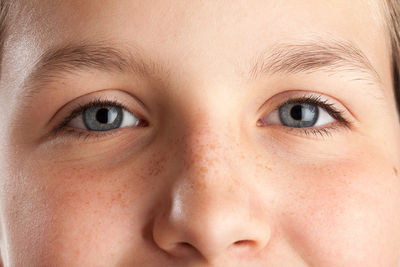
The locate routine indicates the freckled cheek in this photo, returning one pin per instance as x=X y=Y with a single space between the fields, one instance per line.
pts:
x=347 y=214
x=93 y=230
x=77 y=213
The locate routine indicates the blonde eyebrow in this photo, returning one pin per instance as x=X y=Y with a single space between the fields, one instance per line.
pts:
x=333 y=56
x=330 y=56
x=99 y=56
x=73 y=58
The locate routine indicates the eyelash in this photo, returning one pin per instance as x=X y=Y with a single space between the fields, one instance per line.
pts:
x=86 y=134
x=328 y=107
x=312 y=99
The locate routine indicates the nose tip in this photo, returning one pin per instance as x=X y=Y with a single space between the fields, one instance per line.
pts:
x=209 y=230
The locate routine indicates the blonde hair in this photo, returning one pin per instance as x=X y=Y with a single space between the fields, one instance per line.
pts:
x=393 y=23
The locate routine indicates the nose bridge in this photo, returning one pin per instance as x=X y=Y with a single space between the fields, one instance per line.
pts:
x=208 y=176
x=208 y=151
x=208 y=182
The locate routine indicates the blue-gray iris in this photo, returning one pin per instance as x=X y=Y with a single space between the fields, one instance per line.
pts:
x=298 y=115
x=102 y=118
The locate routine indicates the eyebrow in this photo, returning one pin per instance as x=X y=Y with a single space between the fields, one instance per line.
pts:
x=331 y=56
x=55 y=63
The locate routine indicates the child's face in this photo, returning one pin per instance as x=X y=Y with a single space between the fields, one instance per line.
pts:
x=218 y=170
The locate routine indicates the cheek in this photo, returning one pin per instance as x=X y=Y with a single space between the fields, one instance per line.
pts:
x=24 y=213
x=73 y=214
x=347 y=213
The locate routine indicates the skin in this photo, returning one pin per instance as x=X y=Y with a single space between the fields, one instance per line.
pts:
x=202 y=185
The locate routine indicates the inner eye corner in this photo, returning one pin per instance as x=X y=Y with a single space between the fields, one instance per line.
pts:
x=144 y=123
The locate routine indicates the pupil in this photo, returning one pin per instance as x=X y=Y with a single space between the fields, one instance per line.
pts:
x=296 y=112
x=102 y=115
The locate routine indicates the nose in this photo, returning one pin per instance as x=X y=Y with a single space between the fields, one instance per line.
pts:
x=212 y=226
x=211 y=211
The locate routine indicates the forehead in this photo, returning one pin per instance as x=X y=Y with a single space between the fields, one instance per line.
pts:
x=189 y=35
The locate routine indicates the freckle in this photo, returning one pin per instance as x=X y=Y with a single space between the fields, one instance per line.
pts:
x=77 y=252
x=395 y=171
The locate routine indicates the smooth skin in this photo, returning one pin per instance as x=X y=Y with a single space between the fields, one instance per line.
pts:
x=202 y=184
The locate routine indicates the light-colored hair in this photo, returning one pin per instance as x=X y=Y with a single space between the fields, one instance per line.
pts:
x=392 y=8
x=4 y=6
x=393 y=22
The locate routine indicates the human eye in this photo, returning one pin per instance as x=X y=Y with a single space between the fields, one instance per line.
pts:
x=307 y=114
x=98 y=118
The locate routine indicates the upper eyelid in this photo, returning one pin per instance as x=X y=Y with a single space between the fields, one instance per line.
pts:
x=305 y=95
x=298 y=96
x=96 y=103
x=335 y=112
x=77 y=111
x=123 y=96
x=319 y=100
x=313 y=99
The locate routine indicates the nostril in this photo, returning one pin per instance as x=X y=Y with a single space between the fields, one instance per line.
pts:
x=244 y=243
x=243 y=247
x=183 y=249
x=184 y=245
